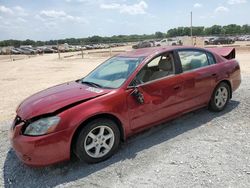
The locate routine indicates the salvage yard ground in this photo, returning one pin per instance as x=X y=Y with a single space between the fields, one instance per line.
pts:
x=199 y=149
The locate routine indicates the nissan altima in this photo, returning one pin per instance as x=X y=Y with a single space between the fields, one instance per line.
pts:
x=128 y=93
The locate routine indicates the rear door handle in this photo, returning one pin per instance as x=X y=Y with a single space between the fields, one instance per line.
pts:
x=214 y=75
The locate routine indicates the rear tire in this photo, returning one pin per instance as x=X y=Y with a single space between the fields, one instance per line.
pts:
x=220 y=97
x=97 y=141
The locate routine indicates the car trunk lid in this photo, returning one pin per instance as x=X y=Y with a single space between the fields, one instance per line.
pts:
x=226 y=52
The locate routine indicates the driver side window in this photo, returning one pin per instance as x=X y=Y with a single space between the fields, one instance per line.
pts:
x=161 y=66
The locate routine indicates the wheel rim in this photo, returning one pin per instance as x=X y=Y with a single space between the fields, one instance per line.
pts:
x=221 y=97
x=99 y=141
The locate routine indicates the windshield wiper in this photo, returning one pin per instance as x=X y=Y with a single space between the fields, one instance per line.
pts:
x=91 y=84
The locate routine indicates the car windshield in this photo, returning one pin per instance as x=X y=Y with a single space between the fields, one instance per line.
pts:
x=112 y=73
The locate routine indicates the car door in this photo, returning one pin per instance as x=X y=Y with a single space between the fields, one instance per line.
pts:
x=198 y=74
x=160 y=95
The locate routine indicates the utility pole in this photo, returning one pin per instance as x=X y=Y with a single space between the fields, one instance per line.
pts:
x=81 y=43
x=10 y=54
x=110 y=50
x=58 y=50
x=191 y=29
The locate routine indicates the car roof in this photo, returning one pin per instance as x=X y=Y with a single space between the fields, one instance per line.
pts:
x=145 y=52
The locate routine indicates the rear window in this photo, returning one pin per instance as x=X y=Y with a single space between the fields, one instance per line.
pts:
x=211 y=59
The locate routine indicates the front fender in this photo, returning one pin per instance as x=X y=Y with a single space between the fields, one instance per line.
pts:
x=113 y=104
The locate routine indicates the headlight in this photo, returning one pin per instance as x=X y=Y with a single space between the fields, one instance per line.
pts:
x=42 y=126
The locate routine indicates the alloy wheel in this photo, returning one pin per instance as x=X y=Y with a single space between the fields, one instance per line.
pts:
x=99 y=141
x=221 y=97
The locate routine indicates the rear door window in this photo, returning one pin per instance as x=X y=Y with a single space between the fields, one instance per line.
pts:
x=192 y=59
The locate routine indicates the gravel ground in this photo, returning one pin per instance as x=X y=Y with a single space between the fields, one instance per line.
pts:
x=200 y=149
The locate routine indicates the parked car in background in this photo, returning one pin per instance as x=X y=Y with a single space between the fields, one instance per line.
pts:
x=32 y=50
x=49 y=50
x=29 y=50
x=143 y=44
x=23 y=51
x=38 y=50
x=221 y=40
x=207 y=40
x=168 y=42
x=15 y=51
x=126 y=94
x=243 y=38
x=89 y=47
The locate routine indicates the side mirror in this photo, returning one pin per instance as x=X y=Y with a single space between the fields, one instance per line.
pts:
x=138 y=95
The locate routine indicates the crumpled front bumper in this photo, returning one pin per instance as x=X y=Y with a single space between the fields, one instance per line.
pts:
x=41 y=150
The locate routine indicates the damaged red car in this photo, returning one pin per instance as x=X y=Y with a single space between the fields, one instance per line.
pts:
x=126 y=94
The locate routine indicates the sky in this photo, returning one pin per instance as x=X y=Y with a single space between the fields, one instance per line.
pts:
x=58 y=19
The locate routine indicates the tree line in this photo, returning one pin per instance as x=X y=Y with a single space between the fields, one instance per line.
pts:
x=231 y=29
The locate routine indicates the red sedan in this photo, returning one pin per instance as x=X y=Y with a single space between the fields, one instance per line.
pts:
x=125 y=95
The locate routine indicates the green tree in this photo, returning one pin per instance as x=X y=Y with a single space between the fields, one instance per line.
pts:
x=232 y=29
x=245 y=29
x=159 y=35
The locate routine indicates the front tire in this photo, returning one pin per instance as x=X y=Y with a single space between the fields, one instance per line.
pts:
x=220 y=97
x=97 y=141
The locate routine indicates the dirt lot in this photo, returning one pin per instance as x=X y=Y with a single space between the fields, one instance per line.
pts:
x=200 y=149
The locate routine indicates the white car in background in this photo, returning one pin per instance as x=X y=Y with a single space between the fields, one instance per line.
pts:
x=168 y=42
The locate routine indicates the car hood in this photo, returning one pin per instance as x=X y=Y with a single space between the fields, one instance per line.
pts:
x=57 y=97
